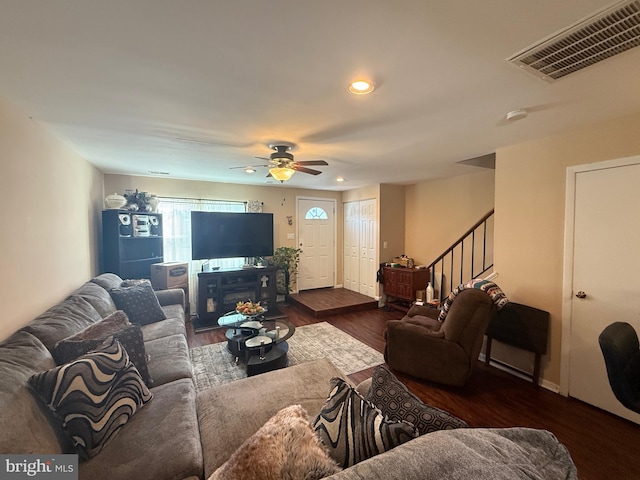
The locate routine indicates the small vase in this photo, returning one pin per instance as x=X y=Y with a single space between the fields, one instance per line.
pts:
x=153 y=202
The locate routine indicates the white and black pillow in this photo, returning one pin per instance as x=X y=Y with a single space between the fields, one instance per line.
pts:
x=352 y=429
x=139 y=302
x=94 y=396
x=397 y=403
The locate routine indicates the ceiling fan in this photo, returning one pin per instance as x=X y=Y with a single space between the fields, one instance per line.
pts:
x=282 y=165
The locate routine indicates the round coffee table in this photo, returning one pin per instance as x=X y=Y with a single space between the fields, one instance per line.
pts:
x=260 y=343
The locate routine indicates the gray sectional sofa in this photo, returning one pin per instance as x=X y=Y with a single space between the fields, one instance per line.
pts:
x=184 y=434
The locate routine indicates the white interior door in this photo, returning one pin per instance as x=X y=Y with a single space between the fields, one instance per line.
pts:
x=605 y=267
x=368 y=247
x=351 y=246
x=316 y=238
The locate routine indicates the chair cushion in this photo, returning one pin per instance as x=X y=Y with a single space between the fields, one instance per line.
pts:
x=353 y=430
x=94 y=396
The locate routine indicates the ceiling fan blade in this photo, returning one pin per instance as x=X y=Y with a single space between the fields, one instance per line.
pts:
x=298 y=168
x=263 y=158
x=247 y=166
x=312 y=162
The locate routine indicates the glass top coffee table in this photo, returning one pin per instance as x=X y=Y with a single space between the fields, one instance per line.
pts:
x=259 y=343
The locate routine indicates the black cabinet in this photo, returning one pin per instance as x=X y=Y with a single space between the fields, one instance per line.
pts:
x=131 y=242
x=220 y=290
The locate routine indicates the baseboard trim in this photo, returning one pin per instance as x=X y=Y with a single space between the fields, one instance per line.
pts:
x=517 y=372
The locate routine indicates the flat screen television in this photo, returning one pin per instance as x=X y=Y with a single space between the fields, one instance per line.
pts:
x=228 y=235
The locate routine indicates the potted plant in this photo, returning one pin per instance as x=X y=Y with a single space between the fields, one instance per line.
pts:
x=287 y=260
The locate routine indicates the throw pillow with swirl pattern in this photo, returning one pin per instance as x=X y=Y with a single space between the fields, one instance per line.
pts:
x=352 y=429
x=94 y=396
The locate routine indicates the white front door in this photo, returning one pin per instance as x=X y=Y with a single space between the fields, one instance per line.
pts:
x=606 y=262
x=316 y=238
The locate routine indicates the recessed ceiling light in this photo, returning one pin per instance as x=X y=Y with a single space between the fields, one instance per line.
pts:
x=250 y=170
x=361 y=87
x=340 y=179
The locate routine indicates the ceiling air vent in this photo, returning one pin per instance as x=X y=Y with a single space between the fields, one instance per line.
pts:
x=596 y=38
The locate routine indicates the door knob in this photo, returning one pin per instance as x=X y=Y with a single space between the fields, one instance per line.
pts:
x=581 y=294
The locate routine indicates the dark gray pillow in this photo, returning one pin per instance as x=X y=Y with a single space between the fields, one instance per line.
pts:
x=397 y=403
x=89 y=409
x=130 y=337
x=139 y=302
x=353 y=430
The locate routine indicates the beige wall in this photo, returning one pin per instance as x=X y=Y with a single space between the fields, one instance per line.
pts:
x=51 y=199
x=529 y=223
x=392 y=207
x=279 y=200
x=439 y=211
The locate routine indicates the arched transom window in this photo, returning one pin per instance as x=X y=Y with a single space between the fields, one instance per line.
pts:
x=316 y=213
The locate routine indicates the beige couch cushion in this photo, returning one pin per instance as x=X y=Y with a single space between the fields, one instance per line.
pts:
x=24 y=425
x=173 y=325
x=63 y=320
x=230 y=414
x=168 y=359
x=98 y=297
x=160 y=441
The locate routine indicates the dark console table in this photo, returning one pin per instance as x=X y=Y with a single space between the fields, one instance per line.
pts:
x=220 y=290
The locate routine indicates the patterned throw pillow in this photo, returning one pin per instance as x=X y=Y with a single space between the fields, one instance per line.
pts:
x=139 y=302
x=490 y=288
x=94 y=396
x=353 y=430
x=130 y=337
x=397 y=403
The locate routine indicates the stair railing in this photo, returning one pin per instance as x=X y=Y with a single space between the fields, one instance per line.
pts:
x=468 y=257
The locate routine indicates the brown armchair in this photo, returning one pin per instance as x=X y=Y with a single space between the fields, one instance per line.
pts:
x=444 y=352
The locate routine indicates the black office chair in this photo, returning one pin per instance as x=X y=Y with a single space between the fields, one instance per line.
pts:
x=619 y=345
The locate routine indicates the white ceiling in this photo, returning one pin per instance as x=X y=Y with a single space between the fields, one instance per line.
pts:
x=194 y=87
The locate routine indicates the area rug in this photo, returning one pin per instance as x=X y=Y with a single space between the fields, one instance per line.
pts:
x=213 y=365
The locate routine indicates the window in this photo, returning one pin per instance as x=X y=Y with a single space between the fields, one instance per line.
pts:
x=316 y=213
x=176 y=226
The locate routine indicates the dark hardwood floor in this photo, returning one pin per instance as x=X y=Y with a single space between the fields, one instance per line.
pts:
x=602 y=445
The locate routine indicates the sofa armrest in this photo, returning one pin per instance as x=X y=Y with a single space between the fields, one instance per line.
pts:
x=478 y=453
x=172 y=296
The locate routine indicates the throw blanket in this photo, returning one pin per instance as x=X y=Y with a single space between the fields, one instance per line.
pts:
x=490 y=288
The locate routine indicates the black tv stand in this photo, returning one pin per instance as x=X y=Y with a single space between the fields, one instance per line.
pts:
x=220 y=290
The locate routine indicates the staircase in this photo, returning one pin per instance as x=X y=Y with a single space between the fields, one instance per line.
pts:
x=468 y=257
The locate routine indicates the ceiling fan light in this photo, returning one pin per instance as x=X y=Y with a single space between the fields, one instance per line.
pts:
x=361 y=87
x=281 y=173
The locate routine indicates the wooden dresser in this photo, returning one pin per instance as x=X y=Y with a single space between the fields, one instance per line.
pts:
x=401 y=284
